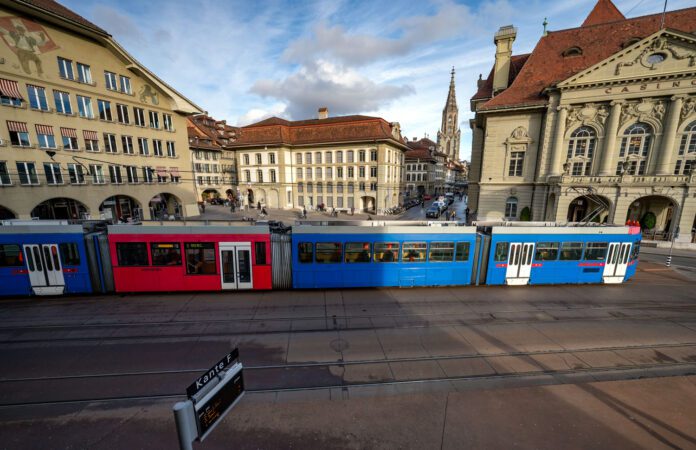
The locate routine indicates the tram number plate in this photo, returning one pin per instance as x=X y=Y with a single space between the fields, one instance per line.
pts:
x=214 y=407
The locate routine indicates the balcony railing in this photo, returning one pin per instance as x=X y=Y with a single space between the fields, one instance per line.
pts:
x=647 y=180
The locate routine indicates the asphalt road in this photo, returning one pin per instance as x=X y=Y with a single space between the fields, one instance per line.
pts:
x=680 y=258
x=477 y=367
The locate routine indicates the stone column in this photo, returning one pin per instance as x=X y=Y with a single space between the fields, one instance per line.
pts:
x=607 y=163
x=557 y=149
x=669 y=136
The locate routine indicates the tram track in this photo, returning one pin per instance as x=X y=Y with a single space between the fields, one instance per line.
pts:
x=305 y=376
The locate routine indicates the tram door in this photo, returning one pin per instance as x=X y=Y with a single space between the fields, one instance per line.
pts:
x=45 y=271
x=519 y=267
x=235 y=261
x=615 y=266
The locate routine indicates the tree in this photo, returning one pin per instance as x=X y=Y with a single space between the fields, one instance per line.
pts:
x=648 y=221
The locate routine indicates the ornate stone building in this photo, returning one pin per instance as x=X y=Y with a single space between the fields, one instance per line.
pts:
x=341 y=162
x=86 y=130
x=449 y=135
x=588 y=128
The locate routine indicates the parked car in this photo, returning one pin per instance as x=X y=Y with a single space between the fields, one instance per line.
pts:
x=441 y=205
x=426 y=197
x=433 y=211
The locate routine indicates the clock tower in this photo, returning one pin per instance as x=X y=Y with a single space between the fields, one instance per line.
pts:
x=449 y=134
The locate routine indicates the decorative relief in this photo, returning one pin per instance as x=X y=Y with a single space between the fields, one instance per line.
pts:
x=688 y=108
x=645 y=110
x=520 y=133
x=655 y=54
x=587 y=114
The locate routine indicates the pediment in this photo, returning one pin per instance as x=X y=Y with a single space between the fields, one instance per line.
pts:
x=664 y=54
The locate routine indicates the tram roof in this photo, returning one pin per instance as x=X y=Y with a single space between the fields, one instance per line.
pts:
x=562 y=230
x=37 y=227
x=157 y=228
x=377 y=229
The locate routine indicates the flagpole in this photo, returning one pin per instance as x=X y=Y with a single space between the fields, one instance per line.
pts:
x=664 y=11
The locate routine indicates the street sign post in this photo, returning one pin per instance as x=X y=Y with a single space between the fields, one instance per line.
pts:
x=211 y=397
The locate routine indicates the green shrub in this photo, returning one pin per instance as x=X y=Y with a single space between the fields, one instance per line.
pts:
x=525 y=214
x=648 y=221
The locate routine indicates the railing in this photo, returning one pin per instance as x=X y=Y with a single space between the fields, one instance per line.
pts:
x=650 y=180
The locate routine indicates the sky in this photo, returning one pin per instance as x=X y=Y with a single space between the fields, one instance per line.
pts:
x=244 y=61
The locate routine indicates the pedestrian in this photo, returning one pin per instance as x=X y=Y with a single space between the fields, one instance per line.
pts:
x=202 y=207
x=232 y=207
x=263 y=211
x=304 y=212
x=258 y=205
x=352 y=210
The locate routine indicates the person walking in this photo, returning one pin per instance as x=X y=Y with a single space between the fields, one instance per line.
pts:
x=258 y=205
x=232 y=208
x=304 y=212
x=352 y=210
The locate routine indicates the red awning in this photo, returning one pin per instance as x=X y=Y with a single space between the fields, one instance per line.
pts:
x=68 y=132
x=10 y=88
x=161 y=171
x=19 y=127
x=90 y=135
x=174 y=171
x=44 y=129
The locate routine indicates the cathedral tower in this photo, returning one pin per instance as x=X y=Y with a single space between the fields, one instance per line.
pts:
x=449 y=134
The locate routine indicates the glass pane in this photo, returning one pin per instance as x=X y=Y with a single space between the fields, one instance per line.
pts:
x=10 y=255
x=596 y=251
x=260 y=253
x=462 y=251
x=328 y=252
x=70 y=254
x=166 y=254
x=244 y=266
x=501 y=251
x=546 y=251
x=414 y=252
x=441 y=251
x=571 y=251
x=131 y=254
x=386 y=252
x=305 y=252
x=228 y=275
x=47 y=258
x=357 y=252
x=200 y=258
x=37 y=259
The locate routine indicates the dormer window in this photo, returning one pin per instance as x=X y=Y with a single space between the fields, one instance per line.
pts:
x=572 y=51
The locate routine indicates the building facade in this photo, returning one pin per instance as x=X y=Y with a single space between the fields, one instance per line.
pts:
x=587 y=129
x=339 y=162
x=86 y=130
x=420 y=165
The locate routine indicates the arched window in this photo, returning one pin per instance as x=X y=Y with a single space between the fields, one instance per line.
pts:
x=581 y=148
x=635 y=146
x=317 y=158
x=686 y=161
x=511 y=208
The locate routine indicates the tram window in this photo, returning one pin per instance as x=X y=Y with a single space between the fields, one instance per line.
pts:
x=37 y=258
x=69 y=254
x=306 y=252
x=462 y=251
x=56 y=262
x=131 y=254
x=328 y=252
x=200 y=258
x=166 y=254
x=546 y=251
x=30 y=260
x=357 y=252
x=501 y=251
x=414 y=252
x=441 y=252
x=260 y=250
x=636 y=251
x=571 y=251
x=47 y=258
x=10 y=255
x=386 y=252
x=596 y=251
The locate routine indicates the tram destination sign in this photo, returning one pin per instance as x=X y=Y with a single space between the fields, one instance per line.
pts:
x=212 y=373
x=213 y=407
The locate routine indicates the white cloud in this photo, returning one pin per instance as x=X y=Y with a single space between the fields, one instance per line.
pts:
x=258 y=114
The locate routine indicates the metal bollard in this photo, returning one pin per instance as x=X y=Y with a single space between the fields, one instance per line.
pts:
x=669 y=261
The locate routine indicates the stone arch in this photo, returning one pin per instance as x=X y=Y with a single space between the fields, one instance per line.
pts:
x=653 y=122
x=60 y=208
x=593 y=208
x=367 y=203
x=665 y=209
x=273 y=199
x=587 y=123
x=165 y=206
x=689 y=123
x=121 y=207
x=7 y=213
x=260 y=197
x=210 y=193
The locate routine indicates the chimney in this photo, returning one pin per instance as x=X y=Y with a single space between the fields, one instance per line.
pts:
x=503 y=40
x=323 y=112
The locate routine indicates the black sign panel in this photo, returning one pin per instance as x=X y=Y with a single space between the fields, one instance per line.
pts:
x=215 y=408
x=210 y=375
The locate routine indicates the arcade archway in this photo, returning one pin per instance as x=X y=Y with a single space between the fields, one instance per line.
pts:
x=165 y=206
x=656 y=215
x=6 y=213
x=589 y=209
x=121 y=208
x=61 y=208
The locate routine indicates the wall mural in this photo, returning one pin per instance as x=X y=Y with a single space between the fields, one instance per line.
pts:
x=27 y=40
x=147 y=92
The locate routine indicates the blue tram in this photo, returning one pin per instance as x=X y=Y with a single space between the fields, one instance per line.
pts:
x=380 y=256
x=43 y=260
x=562 y=255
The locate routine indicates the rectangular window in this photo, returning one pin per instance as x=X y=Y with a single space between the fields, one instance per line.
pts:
x=110 y=143
x=122 y=113
x=298 y=173
x=339 y=202
x=132 y=174
x=273 y=176
x=62 y=101
x=143 y=147
x=27 y=173
x=501 y=252
x=373 y=172
x=167 y=122
x=11 y=255
x=361 y=171
x=125 y=84
x=84 y=106
x=97 y=173
x=166 y=254
x=329 y=157
x=139 y=114
x=308 y=158
x=571 y=251
x=317 y=173
x=462 y=253
x=373 y=186
x=357 y=252
x=84 y=74
x=339 y=156
x=171 y=150
x=154 y=119
x=516 y=163
x=37 y=97
x=386 y=251
x=200 y=258
x=329 y=173
x=373 y=155
x=339 y=172
x=4 y=175
x=328 y=252
x=413 y=252
x=69 y=136
x=361 y=156
x=65 y=68
x=45 y=136
x=110 y=79
x=298 y=158
x=131 y=254
x=441 y=251
x=53 y=174
x=306 y=252
x=247 y=176
x=271 y=158
x=596 y=251
x=546 y=251
x=351 y=156
x=258 y=158
x=104 y=107
x=91 y=145
x=76 y=174
x=260 y=253
x=115 y=175
x=127 y=144
x=351 y=172
x=157 y=147
x=147 y=174
x=351 y=188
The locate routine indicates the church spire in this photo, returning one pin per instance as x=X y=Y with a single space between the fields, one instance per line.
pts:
x=449 y=134
x=451 y=96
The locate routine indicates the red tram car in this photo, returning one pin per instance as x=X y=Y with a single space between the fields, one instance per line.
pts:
x=190 y=258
